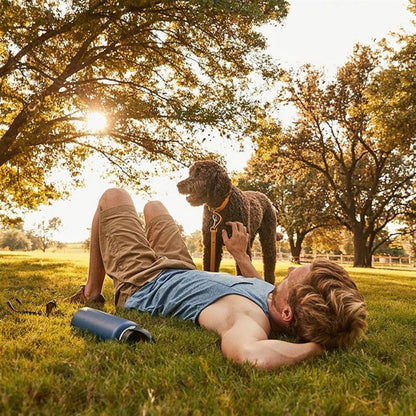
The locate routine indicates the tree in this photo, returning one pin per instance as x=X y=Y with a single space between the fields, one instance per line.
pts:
x=393 y=112
x=334 y=239
x=409 y=229
x=393 y=247
x=161 y=72
x=412 y=244
x=15 y=239
x=194 y=242
x=299 y=196
x=368 y=184
x=35 y=241
x=44 y=232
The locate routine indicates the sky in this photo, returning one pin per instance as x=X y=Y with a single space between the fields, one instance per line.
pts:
x=320 y=32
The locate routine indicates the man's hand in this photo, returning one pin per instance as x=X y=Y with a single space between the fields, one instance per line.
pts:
x=238 y=242
x=237 y=246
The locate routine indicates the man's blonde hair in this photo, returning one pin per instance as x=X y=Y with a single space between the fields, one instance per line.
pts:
x=328 y=309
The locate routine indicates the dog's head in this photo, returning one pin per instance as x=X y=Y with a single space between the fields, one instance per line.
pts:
x=208 y=182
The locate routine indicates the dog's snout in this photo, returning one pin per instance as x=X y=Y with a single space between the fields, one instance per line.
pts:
x=183 y=187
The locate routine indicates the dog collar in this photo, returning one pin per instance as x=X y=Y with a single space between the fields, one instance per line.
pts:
x=222 y=206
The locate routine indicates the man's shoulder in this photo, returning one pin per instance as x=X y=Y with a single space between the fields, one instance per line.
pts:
x=241 y=305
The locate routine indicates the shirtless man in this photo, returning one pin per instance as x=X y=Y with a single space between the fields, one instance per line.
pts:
x=153 y=271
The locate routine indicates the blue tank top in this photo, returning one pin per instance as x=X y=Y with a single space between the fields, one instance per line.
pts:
x=185 y=293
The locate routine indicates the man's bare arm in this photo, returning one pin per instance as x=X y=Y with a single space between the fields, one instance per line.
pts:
x=237 y=247
x=247 y=342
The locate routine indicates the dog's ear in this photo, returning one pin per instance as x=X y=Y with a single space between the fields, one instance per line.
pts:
x=222 y=183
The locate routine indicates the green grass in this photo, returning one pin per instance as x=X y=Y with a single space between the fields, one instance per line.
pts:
x=48 y=368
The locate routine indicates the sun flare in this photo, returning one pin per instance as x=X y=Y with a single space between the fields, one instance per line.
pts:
x=96 y=122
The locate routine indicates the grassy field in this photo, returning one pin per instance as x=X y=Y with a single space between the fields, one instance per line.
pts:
x=48 y=368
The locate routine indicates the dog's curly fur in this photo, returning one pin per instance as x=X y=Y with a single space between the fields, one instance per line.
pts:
x=208 y=183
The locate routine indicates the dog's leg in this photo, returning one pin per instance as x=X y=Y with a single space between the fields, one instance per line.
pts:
x=269 y=257
x=269 y=261
x=267 y=236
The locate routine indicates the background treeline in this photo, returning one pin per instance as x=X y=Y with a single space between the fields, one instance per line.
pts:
x=321 y=241
x=15 y=238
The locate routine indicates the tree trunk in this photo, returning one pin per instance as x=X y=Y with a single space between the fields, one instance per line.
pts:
x=296 y=247
x=362 y=252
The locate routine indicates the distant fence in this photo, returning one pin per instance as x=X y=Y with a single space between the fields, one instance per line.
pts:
x=378 y=261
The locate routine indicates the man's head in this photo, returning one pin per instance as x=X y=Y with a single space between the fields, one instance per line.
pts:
x=320 y=303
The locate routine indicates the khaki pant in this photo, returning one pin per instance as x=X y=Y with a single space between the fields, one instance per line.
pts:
x=132 y=255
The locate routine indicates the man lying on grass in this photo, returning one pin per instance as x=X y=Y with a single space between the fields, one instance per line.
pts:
x=153 y=271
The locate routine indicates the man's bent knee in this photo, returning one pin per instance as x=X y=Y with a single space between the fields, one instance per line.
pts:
x=114 y=197
x=153 y=209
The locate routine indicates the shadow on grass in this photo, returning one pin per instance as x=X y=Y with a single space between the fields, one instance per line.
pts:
x=36 y=281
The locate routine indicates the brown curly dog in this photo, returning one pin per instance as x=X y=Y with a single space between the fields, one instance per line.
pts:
x=208 y=183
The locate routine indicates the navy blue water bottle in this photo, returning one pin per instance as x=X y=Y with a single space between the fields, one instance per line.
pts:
x=106 y=326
